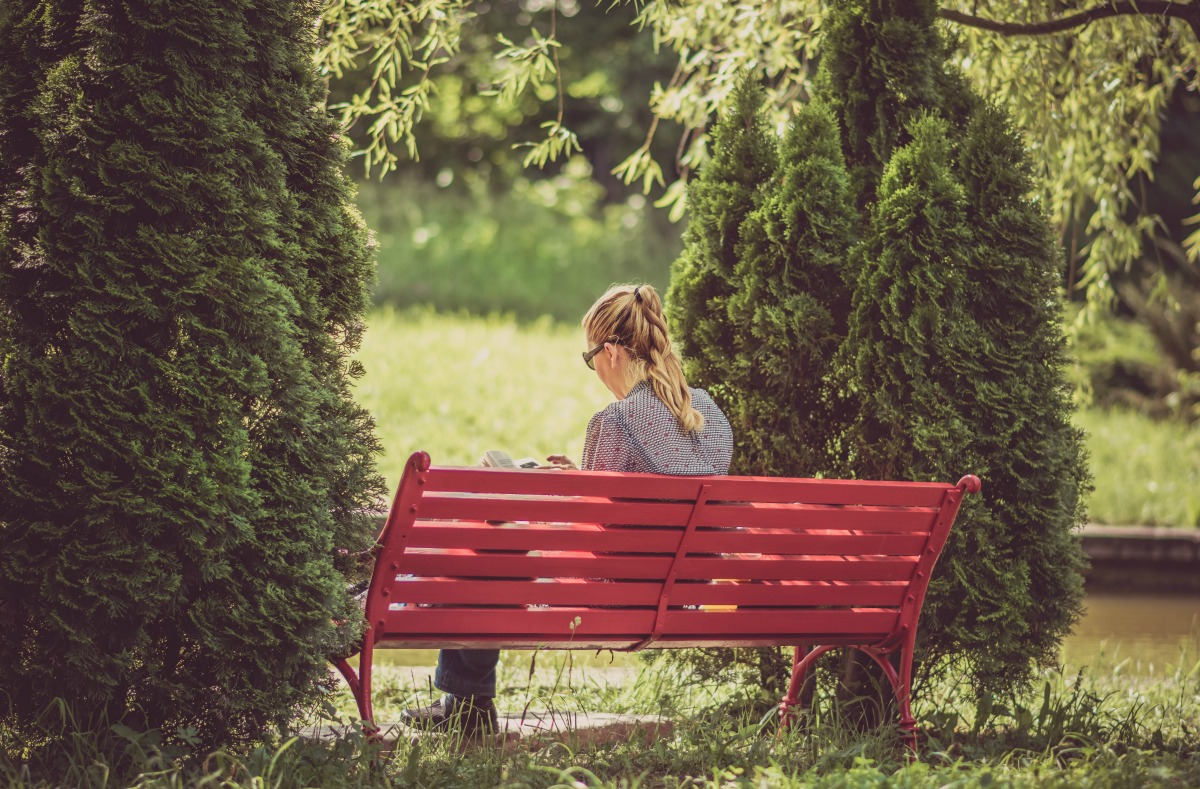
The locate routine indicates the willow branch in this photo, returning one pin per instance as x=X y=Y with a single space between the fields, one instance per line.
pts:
x=1189 y=12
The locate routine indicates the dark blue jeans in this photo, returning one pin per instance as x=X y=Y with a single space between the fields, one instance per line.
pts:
x=467 y=672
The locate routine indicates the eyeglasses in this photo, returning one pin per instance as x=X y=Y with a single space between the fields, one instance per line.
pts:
x=589 y=357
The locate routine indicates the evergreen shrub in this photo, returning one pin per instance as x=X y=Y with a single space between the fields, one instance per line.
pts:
x=951 y=360
x=702 y=277
x=182 y=283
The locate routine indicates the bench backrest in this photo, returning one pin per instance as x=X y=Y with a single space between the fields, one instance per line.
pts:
x=487 y=557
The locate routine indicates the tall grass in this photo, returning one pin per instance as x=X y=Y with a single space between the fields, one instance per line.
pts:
x=1146 y=471
x=456 y=385
x=1075 y=728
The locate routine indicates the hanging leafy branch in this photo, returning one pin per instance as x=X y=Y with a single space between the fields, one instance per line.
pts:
x=1189 y=12
x=405 y=43
x=1086 y=84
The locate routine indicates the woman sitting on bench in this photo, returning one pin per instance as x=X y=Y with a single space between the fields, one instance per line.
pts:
x=658 y=425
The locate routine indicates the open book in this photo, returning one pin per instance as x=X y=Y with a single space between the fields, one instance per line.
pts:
x=498 y=458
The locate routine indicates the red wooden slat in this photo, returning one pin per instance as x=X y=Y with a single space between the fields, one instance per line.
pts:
x=446 y=641
x=527 y=537
x=798 y=542
x=842 y=621
x=575 y=592
x=591 y=537
x=829 y=491
x=656 y=513
x=851 y=568
x=561 y=623
x=811 y=516
x=562 y=509
x=557 y=566
x=602 y=566
x=790 y=593
x=780 y=594
x=572 y=565
x=520 y=621
x=615 y=643
x=761 y=489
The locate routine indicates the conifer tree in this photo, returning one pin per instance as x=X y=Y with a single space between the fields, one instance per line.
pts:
x=883 y=64
x=703 y=278
x=909 y=335
x=1019 y=545
x=789 y=312
x=958 y=361
x=182 y=281
x=951 y=334
x=952 y=360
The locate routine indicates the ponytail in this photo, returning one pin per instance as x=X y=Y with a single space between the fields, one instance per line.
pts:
x=634 y=314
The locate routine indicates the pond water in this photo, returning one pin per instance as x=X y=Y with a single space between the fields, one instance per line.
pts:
x=1147 y=634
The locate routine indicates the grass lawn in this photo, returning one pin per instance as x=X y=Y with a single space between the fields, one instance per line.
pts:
x=456 y=386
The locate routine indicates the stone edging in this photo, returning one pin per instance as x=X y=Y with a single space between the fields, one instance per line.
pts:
x=1142 y=558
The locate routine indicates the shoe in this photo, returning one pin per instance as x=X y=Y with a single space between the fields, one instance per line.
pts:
x=470 y=715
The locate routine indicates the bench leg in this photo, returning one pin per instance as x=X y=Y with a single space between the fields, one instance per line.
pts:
x=360 y=685
x=908 y=724
x=365 y=658
x=901 y=686
x=802 y=660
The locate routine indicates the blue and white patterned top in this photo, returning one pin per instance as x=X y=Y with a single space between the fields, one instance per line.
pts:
x=640 y=434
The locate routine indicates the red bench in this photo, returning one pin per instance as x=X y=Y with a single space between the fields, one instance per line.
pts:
x=487 y=558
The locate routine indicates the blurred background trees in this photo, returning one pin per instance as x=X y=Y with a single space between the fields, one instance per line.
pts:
x=1107 y=102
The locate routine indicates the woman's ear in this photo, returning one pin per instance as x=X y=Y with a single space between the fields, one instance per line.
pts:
x=614 y=353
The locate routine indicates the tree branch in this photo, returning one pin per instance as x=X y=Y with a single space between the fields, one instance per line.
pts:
x=1189 y=12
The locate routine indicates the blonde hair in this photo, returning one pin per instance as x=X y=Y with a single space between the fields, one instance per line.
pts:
x=633 y=315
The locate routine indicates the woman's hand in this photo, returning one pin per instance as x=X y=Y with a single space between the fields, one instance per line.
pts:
x=561 y=462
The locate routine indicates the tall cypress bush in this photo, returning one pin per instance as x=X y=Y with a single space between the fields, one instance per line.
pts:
x=182 y=282
x=971 y=377
x=953 y=358
x=790 y=304
x=1018 y=563
x=883 y=64
x=719 y=200
x=909 y=338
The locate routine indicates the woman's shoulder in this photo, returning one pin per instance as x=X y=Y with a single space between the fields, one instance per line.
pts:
x=701 y=398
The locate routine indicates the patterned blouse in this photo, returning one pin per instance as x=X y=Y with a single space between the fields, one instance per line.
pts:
x=639 y=433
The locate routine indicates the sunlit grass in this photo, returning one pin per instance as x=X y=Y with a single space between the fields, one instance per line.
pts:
x=456 y=386
x=1146 y=472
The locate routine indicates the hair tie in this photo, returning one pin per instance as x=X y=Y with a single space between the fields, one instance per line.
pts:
x=637 y=296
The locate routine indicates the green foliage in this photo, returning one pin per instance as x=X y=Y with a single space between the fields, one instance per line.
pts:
x=1028 y=449
x=789 y=304
x=544 y=247
x=884 y=66
x=909 y=341
x=952 y=360
x=959 y=363
x=182 y=280
x=702 y=278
